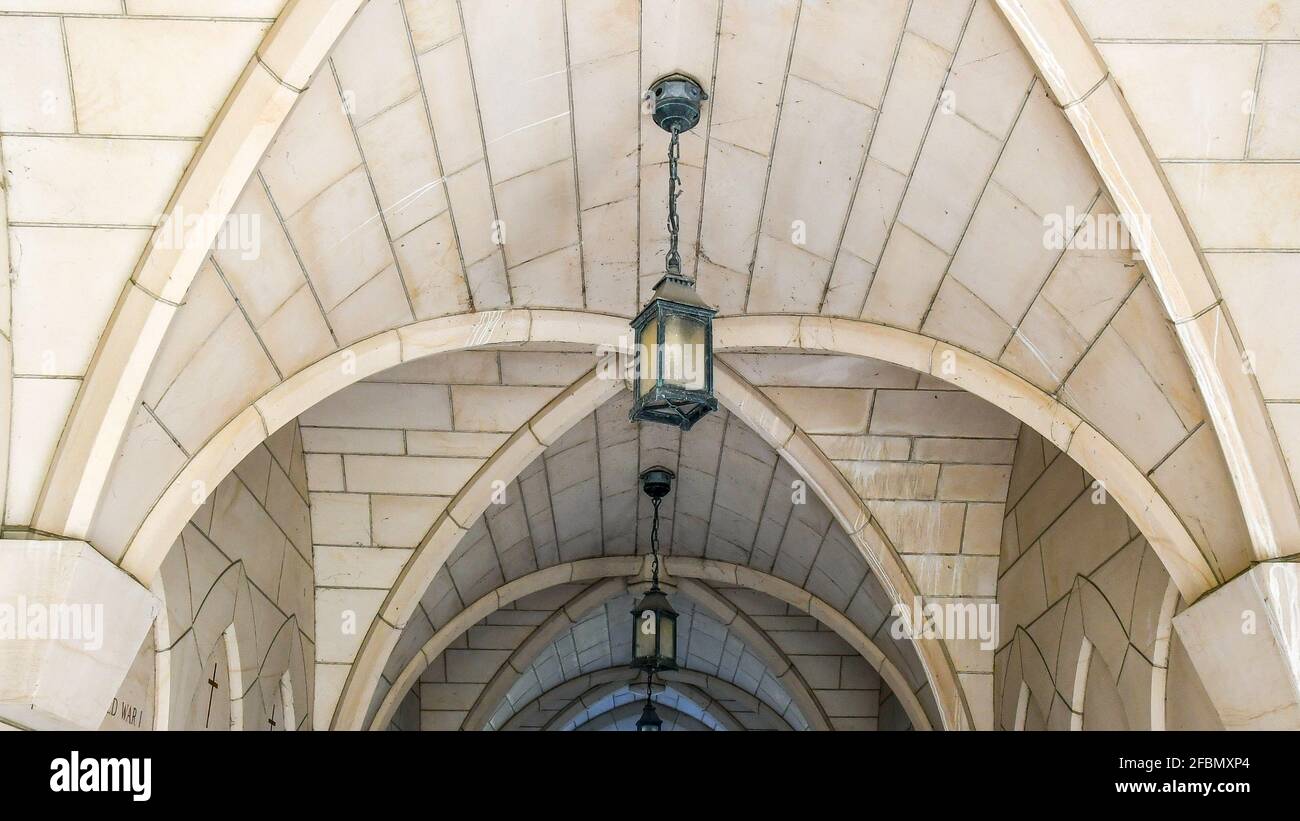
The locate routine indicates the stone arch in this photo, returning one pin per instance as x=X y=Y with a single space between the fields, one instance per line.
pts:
x=1144 y=504
x=1103 y=646
x=1102 y=706
x=1093 y=652
x=228 y=446
x=1061 y=53
x=561 y=620
x=221 y=630
x=585 y=701
x=752 y=408
x=619 y=677
x=596 y=595
x=1029 y=677
x=1160 y=657
x=706 y=702
x=252 y=681
x=1067 y=61
x=1063 y=56
x=289 y=714
x=1084 y=88
x=673 y=717
x=237 y=683
x=1086 y=445
x=621 y=568
x=284 y=403
x=1064 y=64
x=280 y=70
x=1082 y=669
x=1022 y=708
x=1169 y=537
x=989 y=381
x=763 y=646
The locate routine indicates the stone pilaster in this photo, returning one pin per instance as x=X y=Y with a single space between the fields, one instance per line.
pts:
x=1244 y=641
x=71 y=625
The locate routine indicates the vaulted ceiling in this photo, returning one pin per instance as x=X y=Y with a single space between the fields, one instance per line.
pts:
x=887 y=181
x=384 y=456
x=453 y=158
x=466 y=157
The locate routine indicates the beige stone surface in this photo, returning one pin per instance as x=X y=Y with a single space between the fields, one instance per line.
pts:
x=1193 y=101
x=1273 y=133
x=129 y=79
x=36 y=90
x=444 y=163
x=1250 y=684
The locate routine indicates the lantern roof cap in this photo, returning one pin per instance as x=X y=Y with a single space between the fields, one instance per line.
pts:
x=649 y=717
x=680 y=289
x=654 y=599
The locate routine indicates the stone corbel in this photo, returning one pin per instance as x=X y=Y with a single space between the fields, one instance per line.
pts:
x=71 y=624
x=1244 y=641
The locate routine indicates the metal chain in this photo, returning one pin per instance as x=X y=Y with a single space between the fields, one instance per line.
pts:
x=654 y=543
x=673 y=263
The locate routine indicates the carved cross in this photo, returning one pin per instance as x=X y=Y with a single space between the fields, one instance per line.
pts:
x=212 y=682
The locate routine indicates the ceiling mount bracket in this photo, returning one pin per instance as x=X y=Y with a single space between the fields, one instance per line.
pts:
x=676 y=101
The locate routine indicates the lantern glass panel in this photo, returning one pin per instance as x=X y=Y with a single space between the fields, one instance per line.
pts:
x=668 y=639
x=684 y=352
x=646 y=629
x=648 y=357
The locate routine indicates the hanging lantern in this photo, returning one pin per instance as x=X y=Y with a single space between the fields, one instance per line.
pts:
x=654 y=621
x=654 y=640
x=674 y=356
x=674 y=332
x=649 y=720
